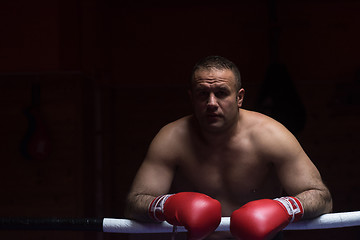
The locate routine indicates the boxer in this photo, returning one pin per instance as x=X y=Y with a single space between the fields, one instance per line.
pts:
x=247 y=161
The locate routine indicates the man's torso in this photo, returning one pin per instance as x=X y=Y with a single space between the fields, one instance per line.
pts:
x=233 y=173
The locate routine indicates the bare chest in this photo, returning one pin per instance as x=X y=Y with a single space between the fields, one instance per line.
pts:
x=232 y=177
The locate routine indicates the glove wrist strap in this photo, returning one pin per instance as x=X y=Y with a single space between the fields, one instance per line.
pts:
x=156 y=207
x=293 y=206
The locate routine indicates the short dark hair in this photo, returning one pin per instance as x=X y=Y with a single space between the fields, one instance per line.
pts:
x=219 y=63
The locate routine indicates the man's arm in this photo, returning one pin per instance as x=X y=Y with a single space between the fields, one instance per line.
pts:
x=308 y=198
x=297 y=173
x=315 y=202
x=302 y=179
x=153 y=178
x=148 y=198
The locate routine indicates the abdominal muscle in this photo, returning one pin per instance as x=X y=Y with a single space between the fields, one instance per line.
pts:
x=232 y=186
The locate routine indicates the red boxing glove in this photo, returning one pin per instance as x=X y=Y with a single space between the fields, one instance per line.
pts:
x=198 y=213
x=263 y=219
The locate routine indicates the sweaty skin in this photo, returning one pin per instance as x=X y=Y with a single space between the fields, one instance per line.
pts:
x=229 y=153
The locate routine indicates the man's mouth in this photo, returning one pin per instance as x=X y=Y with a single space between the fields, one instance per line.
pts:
x=213 y=115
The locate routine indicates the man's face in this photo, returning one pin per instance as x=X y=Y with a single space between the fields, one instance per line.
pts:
x=215 y=99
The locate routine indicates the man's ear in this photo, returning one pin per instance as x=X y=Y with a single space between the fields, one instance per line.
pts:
x=240 y=97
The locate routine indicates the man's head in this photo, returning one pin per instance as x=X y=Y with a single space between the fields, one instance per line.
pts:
x=219 y=63
x=216 y=94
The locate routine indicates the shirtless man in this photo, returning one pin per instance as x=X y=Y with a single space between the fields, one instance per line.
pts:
x=232 y=155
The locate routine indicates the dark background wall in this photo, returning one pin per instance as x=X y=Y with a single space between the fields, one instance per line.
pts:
x=109 y=74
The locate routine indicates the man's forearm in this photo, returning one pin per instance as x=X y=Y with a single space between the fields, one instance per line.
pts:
x=137 y=207
x=315 y=202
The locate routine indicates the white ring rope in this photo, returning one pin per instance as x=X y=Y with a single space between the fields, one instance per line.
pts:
x=330 y=220
x=111 y=225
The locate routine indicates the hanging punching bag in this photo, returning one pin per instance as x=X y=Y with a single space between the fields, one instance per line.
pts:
x=278 y=96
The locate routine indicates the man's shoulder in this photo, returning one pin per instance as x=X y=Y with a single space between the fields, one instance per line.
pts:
x=258 y=121
x=269 y=136
x=263 y=127
x=177 y=129
x=172 y=139
x=181 y=122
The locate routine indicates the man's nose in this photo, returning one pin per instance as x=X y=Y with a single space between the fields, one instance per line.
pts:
x=212 y=101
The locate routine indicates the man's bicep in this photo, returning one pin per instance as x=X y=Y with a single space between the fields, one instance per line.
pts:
x=299 y=175
x=153 y=178
x=296 y=171
x=303 y=180
x=155 y=175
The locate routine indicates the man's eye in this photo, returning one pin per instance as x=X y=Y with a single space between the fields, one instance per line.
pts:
x=221 y=94
x=202 y=94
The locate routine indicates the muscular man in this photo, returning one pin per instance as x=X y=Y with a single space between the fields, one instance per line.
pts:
x=241 y=158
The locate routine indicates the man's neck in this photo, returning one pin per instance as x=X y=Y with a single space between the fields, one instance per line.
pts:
x=221 y=138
